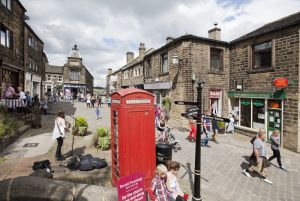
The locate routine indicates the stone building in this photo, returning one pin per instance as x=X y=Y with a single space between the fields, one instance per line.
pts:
x=77 y=78
x=54 y=78
x=256 y=60
x=174 y=69
x=12 y=15
x=34 y=61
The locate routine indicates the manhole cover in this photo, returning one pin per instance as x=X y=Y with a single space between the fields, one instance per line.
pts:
x=31 y=145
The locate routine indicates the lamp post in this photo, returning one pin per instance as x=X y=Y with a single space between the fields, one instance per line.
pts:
x=197 y=178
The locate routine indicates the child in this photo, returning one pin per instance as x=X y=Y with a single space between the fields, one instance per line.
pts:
x=158 y=190
x=97 y=113
x=172 y=183
x=192 y=135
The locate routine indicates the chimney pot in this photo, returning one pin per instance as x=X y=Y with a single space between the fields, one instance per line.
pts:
x=215 y=33
x=142 y=50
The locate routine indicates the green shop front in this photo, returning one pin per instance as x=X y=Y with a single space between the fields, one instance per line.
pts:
x=255 y=110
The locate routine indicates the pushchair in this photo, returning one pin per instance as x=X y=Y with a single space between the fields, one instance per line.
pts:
x=171 y=139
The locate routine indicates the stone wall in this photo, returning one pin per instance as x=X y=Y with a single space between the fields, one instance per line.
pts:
x=286 y=64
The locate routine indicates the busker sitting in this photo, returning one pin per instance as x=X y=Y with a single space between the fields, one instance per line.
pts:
x=258 y=161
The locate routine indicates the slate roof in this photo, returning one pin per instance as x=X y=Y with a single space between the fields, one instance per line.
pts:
x=53 y=69
x=282 y=23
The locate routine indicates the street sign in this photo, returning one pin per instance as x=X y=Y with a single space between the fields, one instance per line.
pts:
x=193 y=109
x=186 y=103
x=193 y=115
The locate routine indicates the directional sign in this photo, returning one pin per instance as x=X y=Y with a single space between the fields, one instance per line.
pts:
x=193 y=116
x=186 y=103
x=192 y=113
x=193 y=109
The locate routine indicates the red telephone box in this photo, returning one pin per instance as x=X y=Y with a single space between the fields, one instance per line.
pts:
x=132 y=134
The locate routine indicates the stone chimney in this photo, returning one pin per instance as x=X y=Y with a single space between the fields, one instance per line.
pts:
x=169 y=39
x=130 y=56
x=142 y=50
x=109 y=71
x=215 y=33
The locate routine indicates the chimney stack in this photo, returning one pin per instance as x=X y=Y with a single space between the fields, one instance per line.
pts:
x=130 y=56
x=142 y=50
x=109 y=71
x=215 y=33
x=169 y=39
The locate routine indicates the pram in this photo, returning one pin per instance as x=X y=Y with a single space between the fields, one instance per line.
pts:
x=171 y=139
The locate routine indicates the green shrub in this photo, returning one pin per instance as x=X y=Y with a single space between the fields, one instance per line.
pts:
x=82 y=131
x=221 y=125
x=167 y=103
x=81 y=122
x=102 y=132
x=104 y=143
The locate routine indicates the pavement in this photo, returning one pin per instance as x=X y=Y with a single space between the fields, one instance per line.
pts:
x=221 y=164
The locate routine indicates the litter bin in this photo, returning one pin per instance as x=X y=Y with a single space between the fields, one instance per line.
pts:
x=163 y=153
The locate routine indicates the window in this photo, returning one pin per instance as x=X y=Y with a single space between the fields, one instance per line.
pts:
x=6 y=3
x=137 y=72
x=246 y=112
x=60 y=78
x=32 y=42
x=48 y=77
x=164 y=63
x=216 y=59
x=258 y=113
x=5 y=37
x=126 y=75
x=262 y=55
x=33 y=64
x=74 y=75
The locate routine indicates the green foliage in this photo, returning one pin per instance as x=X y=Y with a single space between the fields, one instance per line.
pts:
x=81 y=122
x=167 y=103
x=104 y=143
x=221 y=125
x=8 y=126
x=82 y=131
x=102 y=132
x=101 y=139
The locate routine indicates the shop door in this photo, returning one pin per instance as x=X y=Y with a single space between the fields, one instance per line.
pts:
x=274 y=122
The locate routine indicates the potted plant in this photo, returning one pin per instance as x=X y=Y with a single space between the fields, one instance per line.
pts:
x=221 y=127
x=81 y=126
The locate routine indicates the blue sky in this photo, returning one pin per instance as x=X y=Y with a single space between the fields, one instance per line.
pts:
x=106 y=30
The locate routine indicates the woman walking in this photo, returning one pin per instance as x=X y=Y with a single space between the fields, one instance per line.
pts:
x=93 y=101
x=59 y=133
x=275 y=145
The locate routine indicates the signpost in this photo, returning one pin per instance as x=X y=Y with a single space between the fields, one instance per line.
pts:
x=196 y=114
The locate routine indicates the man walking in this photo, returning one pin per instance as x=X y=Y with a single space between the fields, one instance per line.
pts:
x=258 y=161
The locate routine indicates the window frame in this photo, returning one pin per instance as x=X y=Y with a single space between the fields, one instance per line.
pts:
x=164 y=57
x=8 y=37
x=221 y=67
x=7 y=4
x=253 y=65
x=71 y=77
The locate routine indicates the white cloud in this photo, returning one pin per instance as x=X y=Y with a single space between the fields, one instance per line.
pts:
x=106 y=30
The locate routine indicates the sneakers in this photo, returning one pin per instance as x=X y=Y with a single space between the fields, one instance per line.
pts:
x=246 y=173
x=284 y=168
x=267 y=181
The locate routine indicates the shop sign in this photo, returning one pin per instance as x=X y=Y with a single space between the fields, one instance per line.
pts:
x=131 y=188
x=215 y=93
x=158 y=85
x=281 y=82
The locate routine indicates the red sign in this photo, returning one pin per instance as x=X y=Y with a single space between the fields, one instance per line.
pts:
x=131 y=188
x=281 y=82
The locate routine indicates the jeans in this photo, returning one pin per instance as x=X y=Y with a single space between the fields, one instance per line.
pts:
x=60 y=142
x=276 y=154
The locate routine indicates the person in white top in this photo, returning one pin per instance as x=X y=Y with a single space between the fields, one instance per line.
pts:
x=21 y=94
x=59 y=133
x=172 y=183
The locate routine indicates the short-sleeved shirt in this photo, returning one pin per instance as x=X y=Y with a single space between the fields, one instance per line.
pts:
x=207 y=123
x=260 y=146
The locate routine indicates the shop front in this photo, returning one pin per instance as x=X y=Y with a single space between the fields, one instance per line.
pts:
x=74 y=89
x=159 y=89
x=255 y=110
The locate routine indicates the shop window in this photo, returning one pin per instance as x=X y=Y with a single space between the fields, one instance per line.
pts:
x=5 y=37
x=262 y=55
x=235 y=110
x=258 y=113
x=6 y=3
x=246 y=112
x=164 y=63
x=216 y=59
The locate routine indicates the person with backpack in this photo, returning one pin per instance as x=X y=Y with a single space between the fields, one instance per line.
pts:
x=258 y=161
x=275 y=146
